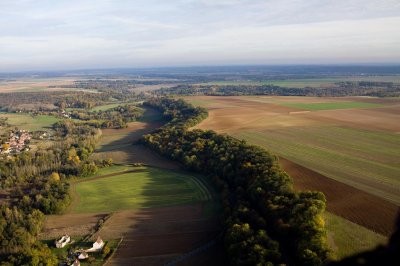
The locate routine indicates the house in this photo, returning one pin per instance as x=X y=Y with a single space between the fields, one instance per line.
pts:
x=63 y=241
x=83 y=256
x=76 y=263
x=97 y=246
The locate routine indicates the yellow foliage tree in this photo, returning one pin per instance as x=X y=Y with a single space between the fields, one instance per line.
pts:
x=55 y=176
x=5 y=146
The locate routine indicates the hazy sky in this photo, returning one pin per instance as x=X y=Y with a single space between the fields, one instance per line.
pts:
x=70 y=34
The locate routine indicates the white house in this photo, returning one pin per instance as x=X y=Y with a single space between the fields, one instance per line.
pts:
x=63 y=241
x=97 y=246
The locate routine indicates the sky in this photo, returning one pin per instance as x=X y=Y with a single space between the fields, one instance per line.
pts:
x=81 y=34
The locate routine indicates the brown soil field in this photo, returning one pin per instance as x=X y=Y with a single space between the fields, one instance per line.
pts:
x=155 y=236
x=383 y=119
x=348 y=202
x=75 y=225
x=227 y=114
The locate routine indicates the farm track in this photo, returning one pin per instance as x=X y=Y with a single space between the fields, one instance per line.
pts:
x=346 y=201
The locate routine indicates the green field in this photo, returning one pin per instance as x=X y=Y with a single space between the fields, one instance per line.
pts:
x=105 y=107
x=364 y=159
x=144 y=188
x=328 y=106
x=346 y=238
x=29 y=122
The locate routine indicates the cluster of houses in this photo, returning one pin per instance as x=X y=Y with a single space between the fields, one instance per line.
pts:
x=81 y=254
x=16 y=143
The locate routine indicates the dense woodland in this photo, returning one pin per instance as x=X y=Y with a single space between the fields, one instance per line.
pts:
x=362 y=88
x=266 y=221
x=116 y=117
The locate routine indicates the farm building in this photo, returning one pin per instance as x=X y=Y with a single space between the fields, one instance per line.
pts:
x=83 y=256
x=63 y=241
x=97 y=246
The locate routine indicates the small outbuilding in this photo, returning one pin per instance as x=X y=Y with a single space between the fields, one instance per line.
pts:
x=63 y=241
x=83 y=256
x=97 y=246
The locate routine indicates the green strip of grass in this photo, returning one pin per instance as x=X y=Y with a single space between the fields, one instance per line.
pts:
x=347 y=238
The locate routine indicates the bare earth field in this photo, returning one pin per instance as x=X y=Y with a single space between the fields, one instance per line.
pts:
x=155 y=236
x=75 y=225
x=355 y=205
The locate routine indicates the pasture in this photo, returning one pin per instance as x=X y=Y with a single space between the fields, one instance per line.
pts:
x=141 y=187
x=29 y=122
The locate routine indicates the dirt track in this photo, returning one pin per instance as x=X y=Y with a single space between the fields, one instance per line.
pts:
x=348 y=202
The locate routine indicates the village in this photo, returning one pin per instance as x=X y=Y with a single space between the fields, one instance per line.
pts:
x=17 y=142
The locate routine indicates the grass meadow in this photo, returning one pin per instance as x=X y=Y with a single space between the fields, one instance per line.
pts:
x=346 y=238
x=144 y=187
x=29 y=122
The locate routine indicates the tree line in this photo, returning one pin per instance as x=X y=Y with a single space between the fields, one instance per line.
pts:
x=349 y=88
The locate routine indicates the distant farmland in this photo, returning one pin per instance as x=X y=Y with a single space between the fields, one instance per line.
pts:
x=313 y=83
